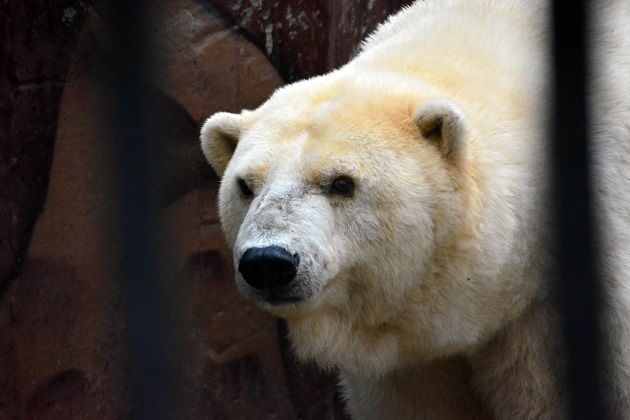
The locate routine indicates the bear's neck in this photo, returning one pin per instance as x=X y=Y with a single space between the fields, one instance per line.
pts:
x=440 y=389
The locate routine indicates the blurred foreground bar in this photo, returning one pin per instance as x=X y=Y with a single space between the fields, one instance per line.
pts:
x=578 y=289
x=153 y=351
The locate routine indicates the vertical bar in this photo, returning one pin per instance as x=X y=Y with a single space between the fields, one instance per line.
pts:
x=578 y=290
x=153 y=360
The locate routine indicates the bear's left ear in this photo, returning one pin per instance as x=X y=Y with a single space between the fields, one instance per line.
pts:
x=441 y=121
x=219 y=137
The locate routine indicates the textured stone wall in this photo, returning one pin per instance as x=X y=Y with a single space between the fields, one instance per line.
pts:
x=62 y=353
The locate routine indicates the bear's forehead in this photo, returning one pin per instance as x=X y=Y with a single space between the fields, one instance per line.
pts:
x=334 y=119
x=320 y=152
x=338 y=128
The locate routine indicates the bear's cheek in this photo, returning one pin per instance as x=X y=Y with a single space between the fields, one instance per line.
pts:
x=232 y=211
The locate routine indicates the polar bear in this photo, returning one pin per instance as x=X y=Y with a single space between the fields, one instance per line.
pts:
x=396 y=211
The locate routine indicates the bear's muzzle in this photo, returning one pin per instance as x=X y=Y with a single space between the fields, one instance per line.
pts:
x=268 y=267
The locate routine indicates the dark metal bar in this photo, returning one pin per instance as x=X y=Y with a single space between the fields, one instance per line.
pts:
x=578 y=290
x=153 y=358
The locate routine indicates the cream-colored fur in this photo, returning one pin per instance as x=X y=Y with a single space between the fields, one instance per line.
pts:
x=428 y=286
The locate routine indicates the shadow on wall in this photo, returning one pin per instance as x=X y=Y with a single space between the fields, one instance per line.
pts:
x=61 y=323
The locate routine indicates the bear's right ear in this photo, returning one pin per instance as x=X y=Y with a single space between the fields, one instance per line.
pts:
x=219 y=136
x=441 y=121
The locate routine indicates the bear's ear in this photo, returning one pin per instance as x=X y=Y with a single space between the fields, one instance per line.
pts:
x=441 y=121
x=219 y=136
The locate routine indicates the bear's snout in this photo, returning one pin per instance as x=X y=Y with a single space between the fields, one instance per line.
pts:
x=271 y=266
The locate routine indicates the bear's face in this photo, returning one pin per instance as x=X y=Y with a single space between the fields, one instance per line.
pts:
x=337 y=200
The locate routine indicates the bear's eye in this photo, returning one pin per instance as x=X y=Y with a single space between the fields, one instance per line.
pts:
x=342 y=185
x=247 y=192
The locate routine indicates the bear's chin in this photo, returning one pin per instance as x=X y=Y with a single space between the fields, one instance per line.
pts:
x=280 y=301
x=287 y=308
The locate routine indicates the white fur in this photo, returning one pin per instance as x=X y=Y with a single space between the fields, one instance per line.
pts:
x=428 y=287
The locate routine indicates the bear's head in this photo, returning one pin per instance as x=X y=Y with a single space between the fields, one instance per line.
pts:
x=334 y=198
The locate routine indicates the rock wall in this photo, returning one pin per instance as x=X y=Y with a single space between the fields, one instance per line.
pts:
x=62 y=351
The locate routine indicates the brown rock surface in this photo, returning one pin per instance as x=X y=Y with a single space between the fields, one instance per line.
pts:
x=304 y=38
x=207 y=67
x=36 y=43
x=60 y=320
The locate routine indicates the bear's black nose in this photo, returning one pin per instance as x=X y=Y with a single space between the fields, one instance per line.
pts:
x=263 y=268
